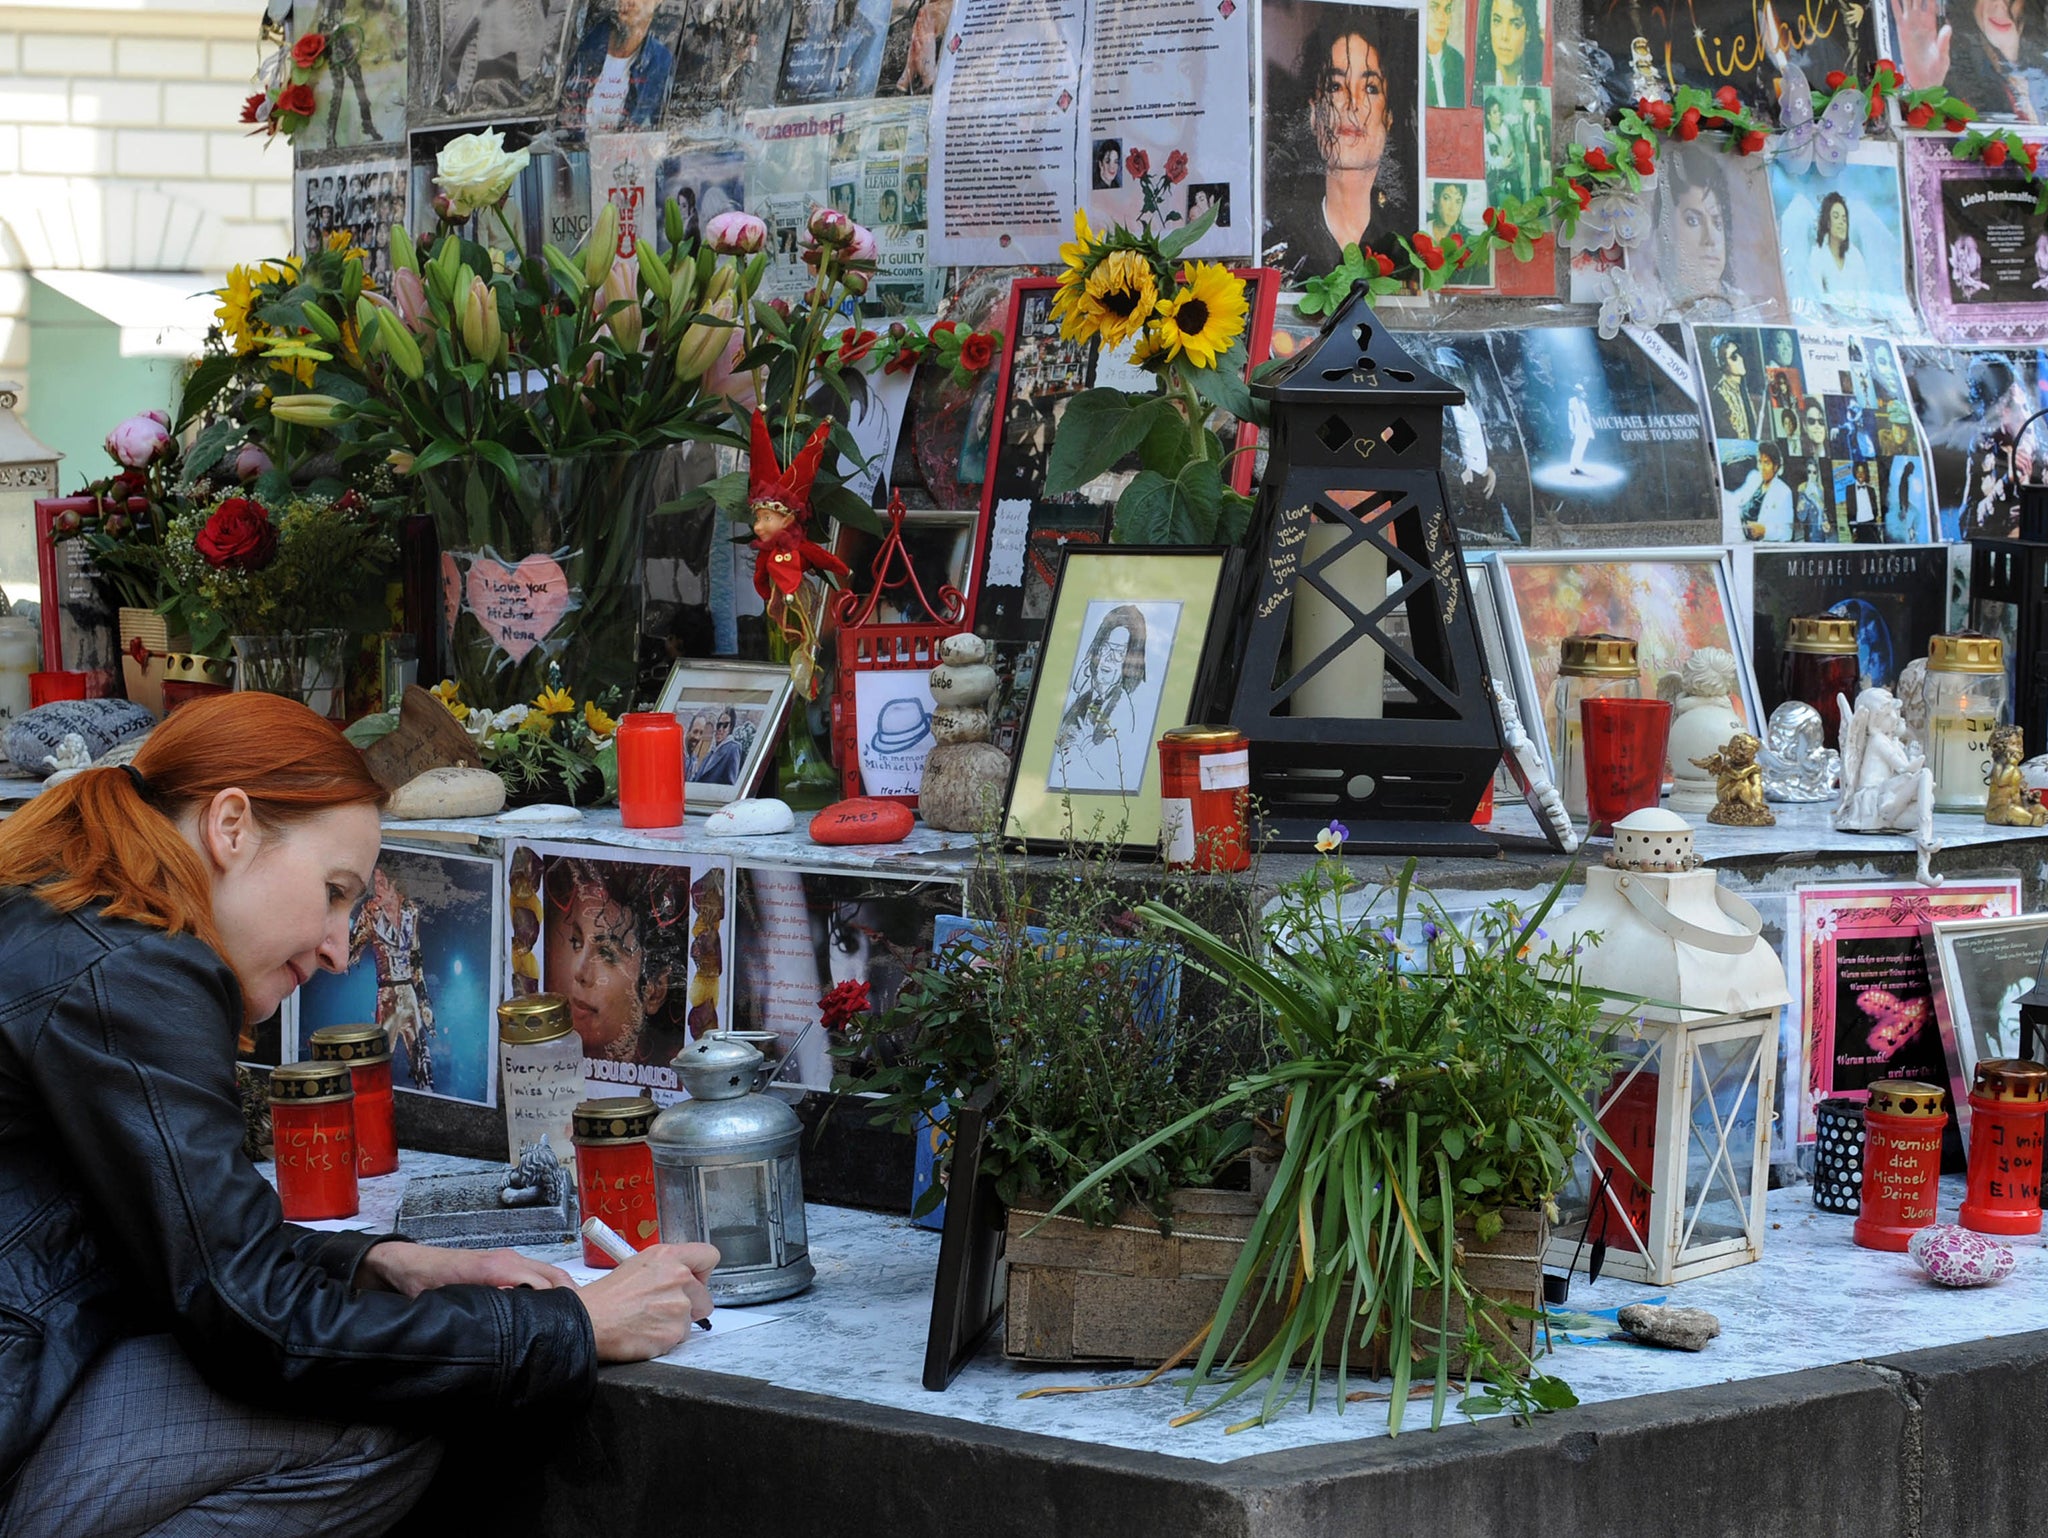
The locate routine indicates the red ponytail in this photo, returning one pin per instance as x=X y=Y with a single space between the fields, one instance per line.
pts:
x=101 y=838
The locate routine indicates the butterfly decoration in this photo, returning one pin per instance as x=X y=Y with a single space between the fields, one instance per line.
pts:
x=1625 y=304
x=1896 y=1021
x=1821 y=144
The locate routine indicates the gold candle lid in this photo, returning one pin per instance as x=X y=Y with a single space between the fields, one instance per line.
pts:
x=1908 y=1097
x=191 y=668
x=2011 y=1079
x=350 y=1044
x=617 y=1119
x=302 y=1083
x=1966 y=652
x=536 y=1018
x=1822 y=635
x=1203 y=736
x=1597 y=656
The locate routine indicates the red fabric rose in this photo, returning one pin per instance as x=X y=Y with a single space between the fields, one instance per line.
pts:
x=1689 y=124
x=1138 y=163
x=296 y=99
x=1177 y=167
x=1585 y=198
x=238 y=535
x=904 y=361
x=1920 y=116
x=1955 y=125
x=1728 y=98
x=944 y=325
x=1751 y=142
x=977 y=352
x=1596 y=160
x=309 y=50
x=253 y=106
x=842 y=1004
x=1836 y=80
x=1994 y=152
x=855 y=344
x=1645 y=156
x=1384 y=262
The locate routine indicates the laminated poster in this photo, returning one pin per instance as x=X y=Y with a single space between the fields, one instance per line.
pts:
x=1897 y=595
x=359 y=98
x=1130 y=109
x=1842 y=244
x=1980 y=251
x=365 y=198
x=1974 y=405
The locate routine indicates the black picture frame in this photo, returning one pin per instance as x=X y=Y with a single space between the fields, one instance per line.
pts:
x=967 y=1295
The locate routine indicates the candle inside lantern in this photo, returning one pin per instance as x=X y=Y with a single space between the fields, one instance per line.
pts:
x=1352 y=684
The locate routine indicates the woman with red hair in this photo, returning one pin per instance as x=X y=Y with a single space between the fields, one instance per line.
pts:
x=174 y=1357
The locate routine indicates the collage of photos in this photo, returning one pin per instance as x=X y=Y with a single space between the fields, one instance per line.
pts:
x=1815 y=438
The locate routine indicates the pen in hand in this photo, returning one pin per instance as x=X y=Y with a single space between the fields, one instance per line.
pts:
x=608 y=1239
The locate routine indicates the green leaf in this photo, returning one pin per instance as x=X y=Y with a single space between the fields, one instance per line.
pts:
x=1099 y=428
x=206 y=381
x=840 y=502
x=371 y=728
x=1224 y=386
x=501 y=458
x=1172 y=245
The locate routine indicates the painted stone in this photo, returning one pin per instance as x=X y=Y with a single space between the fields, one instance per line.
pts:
x=542 y=812
x=965 y=786
x=1960 y=1257
x=963 y=650
x=971 y=685
x=863 y=820
x=447 y=793
x=960 y=723
x=34 y=736
x=750 y=818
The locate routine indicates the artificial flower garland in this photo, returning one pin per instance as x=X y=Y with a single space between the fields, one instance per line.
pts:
x=289 y=105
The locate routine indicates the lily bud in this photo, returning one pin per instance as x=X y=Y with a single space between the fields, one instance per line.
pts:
x=602 y=248
x=308 y=410
x=405 y=255
x=703 y=342
x=481 y=333
x=653 y=270
x=724 y=277
x=400 y=461
x=389 y=336
x=618 y=302
x=320 y=323
x=409 y=294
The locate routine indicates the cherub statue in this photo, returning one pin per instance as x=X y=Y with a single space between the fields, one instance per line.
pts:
x=2008 y=803
x=1912 y=693
x=1702 y=718
x=1798 y=764
x=1886 y=784
x=1738 y=784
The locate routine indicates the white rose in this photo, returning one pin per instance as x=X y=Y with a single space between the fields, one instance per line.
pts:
x=476 y=171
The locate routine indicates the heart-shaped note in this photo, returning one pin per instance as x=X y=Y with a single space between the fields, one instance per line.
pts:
x=451 y=595
x=518 y=606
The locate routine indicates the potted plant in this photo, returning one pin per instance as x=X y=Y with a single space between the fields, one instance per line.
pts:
x=1434 y=1076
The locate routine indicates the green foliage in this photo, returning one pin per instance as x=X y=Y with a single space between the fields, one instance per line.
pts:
x=327 y=573
x=1425 y=1083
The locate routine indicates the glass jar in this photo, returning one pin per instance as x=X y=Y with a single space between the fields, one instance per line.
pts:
x=1967 y=695
x=366 y=1051
x=540 y=1072
x=1204 y=775
x=313 y=1130
x=1589 y=667
x=615 y=1171
x=1821 y=666
x=650 y=755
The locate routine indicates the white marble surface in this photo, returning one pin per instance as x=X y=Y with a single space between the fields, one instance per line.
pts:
x=858 y=1334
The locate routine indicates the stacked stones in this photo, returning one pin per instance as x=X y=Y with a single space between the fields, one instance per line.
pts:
x=966 y=775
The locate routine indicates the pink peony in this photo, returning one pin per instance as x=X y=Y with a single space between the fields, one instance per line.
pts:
x=141 y=440
x=733 y=233
x=831 y=226
x=251 y=462
x=861 y=247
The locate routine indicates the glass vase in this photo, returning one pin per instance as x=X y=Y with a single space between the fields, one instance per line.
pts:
x=542 y=568
x=804 y=776
x=307 y=667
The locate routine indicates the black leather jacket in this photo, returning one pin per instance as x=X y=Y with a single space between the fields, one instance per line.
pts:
x=127 y=1207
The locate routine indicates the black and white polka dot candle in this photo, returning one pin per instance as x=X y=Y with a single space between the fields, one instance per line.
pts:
x=1838 y=1157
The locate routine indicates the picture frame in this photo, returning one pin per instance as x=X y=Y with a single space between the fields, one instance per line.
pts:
x=1087 y=764
x=968 y=1291
x=1980 y=251
x=699 y=693
x=80 y=628
x=1507 y=662
x=1981 y=968
x=942 y=545
x=1651 y=595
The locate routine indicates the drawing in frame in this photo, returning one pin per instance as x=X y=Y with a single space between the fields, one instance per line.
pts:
x=1122 y=652
x=1981 y=968
x=732 y=715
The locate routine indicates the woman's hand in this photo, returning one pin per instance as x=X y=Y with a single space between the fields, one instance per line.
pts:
x=399 y=1266
x=646 y=1306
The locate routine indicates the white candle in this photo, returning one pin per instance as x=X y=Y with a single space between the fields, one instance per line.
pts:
x=19 y=656
x=1353 y=683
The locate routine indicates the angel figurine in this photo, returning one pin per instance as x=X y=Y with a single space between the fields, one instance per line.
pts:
x=1798 y=764
x=1738 y=784
x=1886 y=784
x=2008 y=802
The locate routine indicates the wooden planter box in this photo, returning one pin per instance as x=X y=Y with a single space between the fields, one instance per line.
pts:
x=1129 y=1294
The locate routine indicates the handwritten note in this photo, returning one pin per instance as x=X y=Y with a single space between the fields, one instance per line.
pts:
x=518 y=606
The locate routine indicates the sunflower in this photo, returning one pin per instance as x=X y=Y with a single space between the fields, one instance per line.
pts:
x=236 y=301
x=1204 y=317
x=1116 y=301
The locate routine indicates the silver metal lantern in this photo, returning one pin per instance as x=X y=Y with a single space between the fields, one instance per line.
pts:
x=726 y=1174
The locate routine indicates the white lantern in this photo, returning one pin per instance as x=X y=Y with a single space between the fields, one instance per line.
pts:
x=1691 y=1106
x=28 y=475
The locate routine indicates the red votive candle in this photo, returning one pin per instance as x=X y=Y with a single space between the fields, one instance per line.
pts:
x=45 y=688
x=615 y=1171
x=650 y=770
x=2008 y=1105
x=366 y=1051
x=312 y=1128
x=1625 y=742
x=1901 y=1162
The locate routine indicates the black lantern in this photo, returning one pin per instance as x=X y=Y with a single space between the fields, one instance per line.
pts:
x=1354 y=664
x=2009 y=598
x=2033 y=1007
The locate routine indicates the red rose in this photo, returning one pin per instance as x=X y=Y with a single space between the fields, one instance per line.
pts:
x=943 y=325
x=1727 y=97
x=1138 y=163
x=296 y=99
x=1177 y=167
x=1689 y=124
x=309 y=50
x=855 y=344
x=1920 y=116
x=904 y=361
x=253 y=106
x=1836 y=80
x=977 y=352
x=239 y=534
x=1994 y=152
x=1422 y=241
x=1585 y=198
x=1645 y=156
x=1886 y=67
x=1876 y=104
x=842 y=1004
x=1956 y=125
x=1751 y=142
x=1596 y=160
x=1384 y=262
x=2027 y=153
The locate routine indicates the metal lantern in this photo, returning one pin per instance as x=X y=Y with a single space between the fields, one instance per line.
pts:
x=1691 y=1106
x=726 y=1174
x=28 y=475
x=1353 y=662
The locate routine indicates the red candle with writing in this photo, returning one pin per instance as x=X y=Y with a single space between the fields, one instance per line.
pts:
x=2008 y=1105
x=312 y=1127
x=615 y=1171
x=1204 y=783
x=1901 y=1162
x=367 y=1052
x=650 y=747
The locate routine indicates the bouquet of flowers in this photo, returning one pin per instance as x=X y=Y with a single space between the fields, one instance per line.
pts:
x=550 y=747
x=131 y=510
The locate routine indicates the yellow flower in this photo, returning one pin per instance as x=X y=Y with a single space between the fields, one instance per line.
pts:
x=236 y=300
x=599 y=723
x=538 y=722
x=1327 y=841
x=1151 y=351
x=449 y=693
x=554 y=702
x=1204 y=317
x=1116 y=302
x=344 y=241
x=1075 y=253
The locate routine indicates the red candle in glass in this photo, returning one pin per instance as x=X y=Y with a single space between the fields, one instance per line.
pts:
x=1821 y=664
x=1901 y=1162
x=366 y=1051
x=2008 y=1105
x=313 y=1130
x=650 y=747
x=1204 y=783
x=45 y=688
x=615 y=1171
x=1625 y=742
